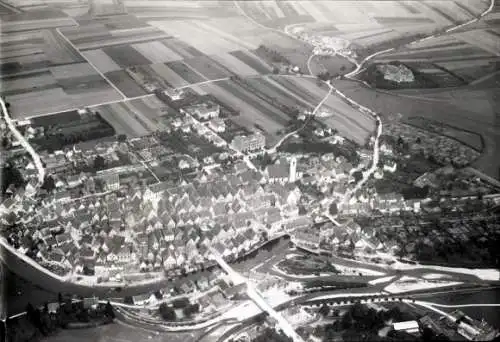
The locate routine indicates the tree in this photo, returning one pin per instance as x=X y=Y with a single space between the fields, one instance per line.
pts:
x=324 y=310
x=48 y=183
x=358 y=175
x=59 y=298
x=333 y=209
x=180 y=303
x=191 y=309
x=99 y=162
x=167 y=313
x=108 y=310
x=302 y=210
x=122 y=138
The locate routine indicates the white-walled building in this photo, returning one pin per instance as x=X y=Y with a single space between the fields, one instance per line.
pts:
x=254 y=142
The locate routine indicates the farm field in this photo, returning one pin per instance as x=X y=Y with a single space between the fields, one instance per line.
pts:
x=44 y=18
x=301 y=88
x=209 y=68
x=304 y=94
x=471 y=52
x=150 y=110
x=466 y=109
x=253 y=111
x=123 y=119
x=159 y=10
x=279 y=93
x=111 y=31
x=348 y=121
x=42 y=73
x=125 y=83
x=169 y=75
x=360 y=21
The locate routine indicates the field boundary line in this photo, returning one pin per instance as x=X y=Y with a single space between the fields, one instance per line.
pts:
x=194 y=70
x=91 y=64
x=202 y=83
x=484 y=78
x=89 y=106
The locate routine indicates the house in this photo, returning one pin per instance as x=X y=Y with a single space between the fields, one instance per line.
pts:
x=390 y=167
x=125 y=255
x=250 y=143
x=233 y=291
x=112 y=182
x=202 y=111
x=174 y=94
x=306 y=239
x=407 y=326
x=217 y=125
x=278 y=173
x=143 y=299
x=56 y=255
x=191 y=249
x=7 y=205
x=169 y=261
x=223 y=250
x=63 y=238
x=62 y=196
x=73 y=181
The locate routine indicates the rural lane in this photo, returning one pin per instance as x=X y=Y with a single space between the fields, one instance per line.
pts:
x=24 y=143
x=282 y=140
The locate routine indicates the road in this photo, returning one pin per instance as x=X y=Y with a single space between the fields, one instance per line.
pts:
x=274 y=149
x=257 y=298
x=340 y=298
x=24 y=143
x=203 y=82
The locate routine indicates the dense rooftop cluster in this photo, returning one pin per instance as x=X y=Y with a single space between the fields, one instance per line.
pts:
x=158 y=226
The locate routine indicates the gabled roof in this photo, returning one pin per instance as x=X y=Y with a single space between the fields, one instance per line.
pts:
x=278 y=171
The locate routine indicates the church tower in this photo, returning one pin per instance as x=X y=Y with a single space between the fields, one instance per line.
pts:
x=293 y=170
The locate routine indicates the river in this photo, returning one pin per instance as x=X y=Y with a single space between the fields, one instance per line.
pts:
x=37 y=296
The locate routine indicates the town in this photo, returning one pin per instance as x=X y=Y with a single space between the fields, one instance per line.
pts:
x=192 y=195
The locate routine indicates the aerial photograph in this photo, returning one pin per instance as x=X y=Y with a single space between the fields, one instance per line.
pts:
x=249 y=170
